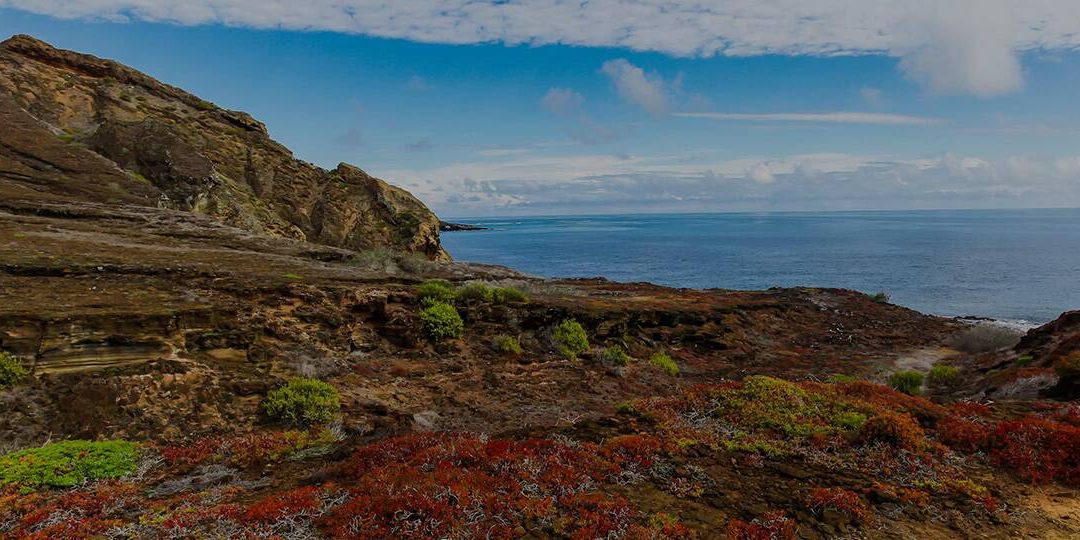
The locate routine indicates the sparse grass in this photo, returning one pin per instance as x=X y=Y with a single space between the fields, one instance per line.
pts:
x=68 y=463
x=942 y=375
x=303 y=402
x=984 y=338
x=909 y=382
x=11 y=370
x=507 y=345
x=615 y=356
x=508 y=295
x=440 y=321
x=569 y=339
x=664 y=362
x=292 y=277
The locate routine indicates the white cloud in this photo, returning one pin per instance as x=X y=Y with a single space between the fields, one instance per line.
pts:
x=841 y=117
x=948 y=45
x=826 y=181
x=967 y=47
x=562 y=101
x=635 y=86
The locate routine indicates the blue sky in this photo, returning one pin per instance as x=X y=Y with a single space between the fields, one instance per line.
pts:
x=611 y=108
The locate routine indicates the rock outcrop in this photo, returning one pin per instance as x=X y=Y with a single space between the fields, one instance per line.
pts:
x=77 y=127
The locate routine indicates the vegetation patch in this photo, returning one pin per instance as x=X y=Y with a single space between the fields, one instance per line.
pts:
x=303 y=402
x=569 y=339
x=942 y=375
x=909 y=382
x=665 y=363
x=507 y=345
x=508 y=295
x=11 y=370
x=441 y=321
x=880 y=297
x=615 y=356
x=68 y=463
x=436 y=290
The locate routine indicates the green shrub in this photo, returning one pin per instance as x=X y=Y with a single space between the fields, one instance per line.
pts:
x=11 y=370
x=475 y=292
x=664 y=362
x=508 y=295
x=1068 y=369
x=1025 y=361
x=68 y=463
x=570 y=339
x=303 y=401
x=615 y=356
x=440 y=321
x=849 y=420
x=840 y=378
x=436 y=290
x=880 y=297
x=507 y=344
x=908 y=382
x=942 y=375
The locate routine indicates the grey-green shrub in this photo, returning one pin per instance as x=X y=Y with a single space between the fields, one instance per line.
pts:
x=570 y=339
x=475 y=292
x=507 y=344
x=664 y=362
x=508 y=295
x=440 y=321
x=942 y=375
x=11 y=370
x=303 y=402
x=908 y=382
x=615 y=356
x=880 y=297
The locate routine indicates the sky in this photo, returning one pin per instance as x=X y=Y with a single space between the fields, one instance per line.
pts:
x=543 y=107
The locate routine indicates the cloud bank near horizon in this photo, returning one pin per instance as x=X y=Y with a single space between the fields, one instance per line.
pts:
x=954 y=47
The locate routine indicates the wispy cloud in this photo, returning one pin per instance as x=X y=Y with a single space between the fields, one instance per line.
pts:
x=646 y=90
x=840 y=117
x=954 y=46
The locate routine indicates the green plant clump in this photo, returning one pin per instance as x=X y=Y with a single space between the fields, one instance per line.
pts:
x=570 y=339
x=507 y=344
x=615 y=356
x=908 y=382
x=880 y=297
x=303 y=401
x=436 y=290
x=441 y=321
x=11 y=370
x=841 y=378
x=68 y=463
x=475 y=292
x=508 y=295
x=942 y=375
x=664 y=362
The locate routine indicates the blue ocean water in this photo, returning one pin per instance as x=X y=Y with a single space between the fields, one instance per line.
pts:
x=1019 y=265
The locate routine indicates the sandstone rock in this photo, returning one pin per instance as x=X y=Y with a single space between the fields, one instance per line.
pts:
x=81 y=128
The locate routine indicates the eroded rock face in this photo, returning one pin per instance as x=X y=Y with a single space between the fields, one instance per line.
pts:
x=79 y=127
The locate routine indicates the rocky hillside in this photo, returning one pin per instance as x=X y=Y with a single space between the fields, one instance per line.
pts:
x=79 y=128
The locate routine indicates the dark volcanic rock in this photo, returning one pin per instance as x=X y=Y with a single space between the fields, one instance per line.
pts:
x=78 y=127
x=446 y=226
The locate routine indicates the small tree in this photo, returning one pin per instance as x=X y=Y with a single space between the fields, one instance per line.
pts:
x=303 y=401
x=440 y=321
x=570 y=339
x=11 y=370
x=908 y=382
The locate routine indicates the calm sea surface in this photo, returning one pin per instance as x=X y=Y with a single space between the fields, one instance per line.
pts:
x=1019 y=265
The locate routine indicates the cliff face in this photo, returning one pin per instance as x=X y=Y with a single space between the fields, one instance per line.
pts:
x=77 y=127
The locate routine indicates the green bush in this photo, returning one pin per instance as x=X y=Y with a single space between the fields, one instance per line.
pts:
x=436 y=290
x=303 y=401
x=570 y=339
x=475 y=292
x=440 y=321
x=908 y=382
x=615 y=356
x=664 y=362
x=508 y=295
x=942 y=375
x=880 y=297
x=11 y=370
x=507 y=344
x=68 y=463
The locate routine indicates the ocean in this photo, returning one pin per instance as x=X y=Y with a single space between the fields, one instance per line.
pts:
x=1012 y=265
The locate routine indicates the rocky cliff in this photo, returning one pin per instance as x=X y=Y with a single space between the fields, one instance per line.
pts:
x=77 y=127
